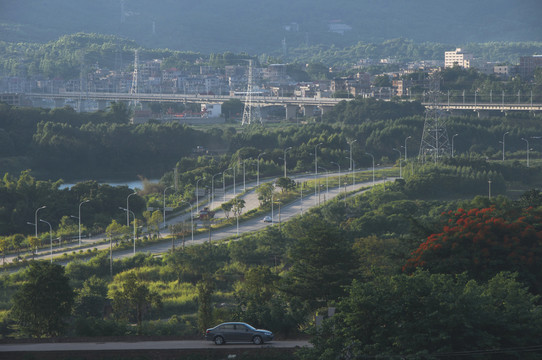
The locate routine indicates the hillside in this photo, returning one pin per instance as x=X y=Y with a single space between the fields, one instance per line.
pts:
x=258 y=26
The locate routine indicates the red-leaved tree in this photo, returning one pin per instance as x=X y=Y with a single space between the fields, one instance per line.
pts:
x=483 y=242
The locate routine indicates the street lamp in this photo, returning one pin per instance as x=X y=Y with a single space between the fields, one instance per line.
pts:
x=128 y=208
x=258 y=170
x=400 y=164
x=316 y=167
x=327 y=182
x=316 y=158
x=197 y=194
x=503 y=144
x=224 y=182
x=36 y=218
x=351 y=163
x=285 y=150
x=453 y=144
x=339 y=175
x=373 y=167
x=50 y=237
x=131 y=212
x=191 y=219
x=169 y=187
x=410 y=137
x=213 y=189
x=244 y=175
x=527 y=141
x=79 y=218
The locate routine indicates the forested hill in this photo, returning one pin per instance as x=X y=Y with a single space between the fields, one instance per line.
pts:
x=262 y=26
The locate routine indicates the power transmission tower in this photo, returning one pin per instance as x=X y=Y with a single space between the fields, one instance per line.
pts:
x=250 y=113
x=434 y=142
x=134 y=89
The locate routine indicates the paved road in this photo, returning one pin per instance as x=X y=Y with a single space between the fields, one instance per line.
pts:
x=143 y=345
x=251 y=202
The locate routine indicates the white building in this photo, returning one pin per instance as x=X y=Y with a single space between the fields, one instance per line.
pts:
x=211 y=110
x=457 y=58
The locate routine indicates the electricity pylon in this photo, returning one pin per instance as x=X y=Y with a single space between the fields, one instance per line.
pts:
x=251 y=113
x=434 y=144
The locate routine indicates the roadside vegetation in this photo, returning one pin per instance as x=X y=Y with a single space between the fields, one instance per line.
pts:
x=439 y=262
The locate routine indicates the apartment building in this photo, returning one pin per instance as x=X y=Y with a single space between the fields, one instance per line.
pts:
x=457 y=58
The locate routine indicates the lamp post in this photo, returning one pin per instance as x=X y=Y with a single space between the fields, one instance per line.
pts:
x=527 y=141
x=128 y=208
x=503 y=144
x=351 y=163
x=400 y=164
x=316 y=166
x=234 y=191
x=197 y=194
x=339 y=175
x=410 y=137
x=169 y=187
x=373 y=167
x=327 y=180
x=191 y=219
x=453 y=144
x=50 y=237
x=285 y=150
x=79 y=218
x=258 y=170
x=36 y=218
x=131 y=212
x=489 y=188
x=224 y=182
x=213 y=189
x=316 y=158
x=244 y=176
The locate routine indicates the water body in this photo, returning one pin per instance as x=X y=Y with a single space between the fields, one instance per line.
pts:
x=132 y=184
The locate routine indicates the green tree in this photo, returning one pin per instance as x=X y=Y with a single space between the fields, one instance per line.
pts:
x=319 y=254
x=237 y=206
x=205 y=289
x=119 y=112
x=43 y=301
x=265 y=192
x=285 y=183
x=424 y=316
x=90 y=300
x=17 y=242
x=154 y=219
x=226 y=207
x=4 y=245
x=232 y=108
x=132 y=297
x=115 y=229
x=34 y=243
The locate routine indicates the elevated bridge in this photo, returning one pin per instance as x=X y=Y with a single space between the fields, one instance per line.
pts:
x=291 y=104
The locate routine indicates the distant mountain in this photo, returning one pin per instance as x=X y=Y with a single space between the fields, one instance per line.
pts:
x=272 y=26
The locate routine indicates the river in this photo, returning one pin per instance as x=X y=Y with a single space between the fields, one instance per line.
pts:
x=132 y=184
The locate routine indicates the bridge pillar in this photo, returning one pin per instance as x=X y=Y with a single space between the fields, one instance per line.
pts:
x=102 y=104
x=308 y=110
x=325 y=109
x=291 y=111
x=59 y=102
x=482 y=113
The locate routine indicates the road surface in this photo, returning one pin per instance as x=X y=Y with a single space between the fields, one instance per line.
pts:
x=251 y=202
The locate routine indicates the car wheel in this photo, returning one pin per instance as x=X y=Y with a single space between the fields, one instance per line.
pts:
x=219 y=340
x=257 y=340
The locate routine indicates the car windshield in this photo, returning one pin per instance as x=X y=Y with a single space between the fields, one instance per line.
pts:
x=250 y=327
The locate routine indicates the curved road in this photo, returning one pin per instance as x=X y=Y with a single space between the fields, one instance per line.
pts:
x=251 y=202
